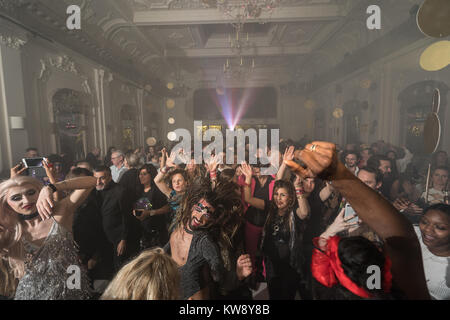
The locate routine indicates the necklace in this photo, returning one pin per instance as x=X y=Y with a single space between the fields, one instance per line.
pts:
x=188 y=231
x=28 y=216
x=278 y=221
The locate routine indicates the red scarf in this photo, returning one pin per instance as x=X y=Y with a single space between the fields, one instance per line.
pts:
x=327 y=269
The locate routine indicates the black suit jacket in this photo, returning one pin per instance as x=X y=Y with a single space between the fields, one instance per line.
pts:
x=116 y=211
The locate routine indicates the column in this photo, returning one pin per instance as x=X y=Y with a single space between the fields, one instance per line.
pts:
x=140 y=115
x=13 y=133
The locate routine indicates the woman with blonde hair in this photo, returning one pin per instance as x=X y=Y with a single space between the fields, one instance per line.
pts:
x=36 y=238
x=153 y=275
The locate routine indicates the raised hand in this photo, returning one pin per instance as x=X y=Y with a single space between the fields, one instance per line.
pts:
x=340 y=224
x=246 y=170
x=45 y=203
x=289 y=153
x=170 y=162
x=49 y=170
x=320 y=159
x=17 y=170
x=298 y=182
x=162 y=163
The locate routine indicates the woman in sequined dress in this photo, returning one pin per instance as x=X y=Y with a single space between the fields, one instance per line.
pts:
x=36 y=238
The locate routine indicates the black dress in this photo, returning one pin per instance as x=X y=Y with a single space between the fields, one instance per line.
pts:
x=154 y=229
x=281 y=247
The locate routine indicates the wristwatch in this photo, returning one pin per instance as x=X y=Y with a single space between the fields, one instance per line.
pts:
x=52 y=186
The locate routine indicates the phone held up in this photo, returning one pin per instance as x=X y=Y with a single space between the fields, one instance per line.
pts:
x=350 y=212
x=35 y=167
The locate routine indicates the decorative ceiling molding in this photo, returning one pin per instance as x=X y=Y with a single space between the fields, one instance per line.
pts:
x=209 y=16
x=12 y=42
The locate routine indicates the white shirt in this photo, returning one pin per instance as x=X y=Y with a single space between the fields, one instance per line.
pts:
x=434 y=196
x=437 y=271
x=356 y=170
x=116 y=174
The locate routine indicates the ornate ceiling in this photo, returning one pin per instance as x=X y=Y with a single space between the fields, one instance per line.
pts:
x=153 y=41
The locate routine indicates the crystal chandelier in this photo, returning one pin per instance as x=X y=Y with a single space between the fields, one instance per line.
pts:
x=245 y=9
x=238 y=42
x=238 y=67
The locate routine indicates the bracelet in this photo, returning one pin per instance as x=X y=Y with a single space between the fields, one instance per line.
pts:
x=52 y=186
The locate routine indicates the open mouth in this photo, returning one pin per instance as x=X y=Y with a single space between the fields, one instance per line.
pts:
x=195 y=222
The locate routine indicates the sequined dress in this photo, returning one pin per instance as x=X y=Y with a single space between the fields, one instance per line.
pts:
x=53 y=271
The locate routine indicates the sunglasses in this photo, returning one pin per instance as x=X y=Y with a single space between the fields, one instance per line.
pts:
x=201 y=209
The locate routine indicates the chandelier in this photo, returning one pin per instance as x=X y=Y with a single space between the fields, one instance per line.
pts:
x=245 y=9
x=238 y=42
x=238 y=67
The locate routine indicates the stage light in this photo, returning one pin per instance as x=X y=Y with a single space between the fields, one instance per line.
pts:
x=171 y=120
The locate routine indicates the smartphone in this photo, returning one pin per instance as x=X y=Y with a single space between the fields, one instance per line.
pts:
x=33 y=162
x=350 y=212
x=35 y=167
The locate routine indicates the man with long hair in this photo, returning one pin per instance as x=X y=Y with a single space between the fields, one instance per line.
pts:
x=204 y=238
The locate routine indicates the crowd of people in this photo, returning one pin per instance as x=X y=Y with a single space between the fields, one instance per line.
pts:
x=154 y=224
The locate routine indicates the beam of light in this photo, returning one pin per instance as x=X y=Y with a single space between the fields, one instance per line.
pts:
x=231 y=109
x=243 y=104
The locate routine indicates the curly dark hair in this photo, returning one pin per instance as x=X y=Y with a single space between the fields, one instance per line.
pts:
x=172 y=173
x=227 y=217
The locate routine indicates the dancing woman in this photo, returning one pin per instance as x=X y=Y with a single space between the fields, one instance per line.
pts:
x=36 y=238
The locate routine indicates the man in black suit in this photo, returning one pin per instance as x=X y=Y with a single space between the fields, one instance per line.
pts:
x=121 y=228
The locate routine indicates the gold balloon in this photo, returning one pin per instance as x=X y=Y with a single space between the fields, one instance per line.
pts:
x=366 y=83
x=170 y=103
x=151 y=141
x=338 y=113
x=436 y=56
x=310 y=104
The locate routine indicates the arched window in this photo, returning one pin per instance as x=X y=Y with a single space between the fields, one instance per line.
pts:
x=69 y=112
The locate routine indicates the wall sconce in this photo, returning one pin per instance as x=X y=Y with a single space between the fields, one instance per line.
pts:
x=17 y=122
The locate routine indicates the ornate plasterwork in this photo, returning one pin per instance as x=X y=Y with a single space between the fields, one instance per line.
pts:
x=12 y=41
x=63 y=63
x=173 y=4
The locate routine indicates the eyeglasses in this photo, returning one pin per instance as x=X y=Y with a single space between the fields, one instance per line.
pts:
x=201 y=208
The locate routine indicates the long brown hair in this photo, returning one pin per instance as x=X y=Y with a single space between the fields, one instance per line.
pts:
x=273 y=210
x=227 y=214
